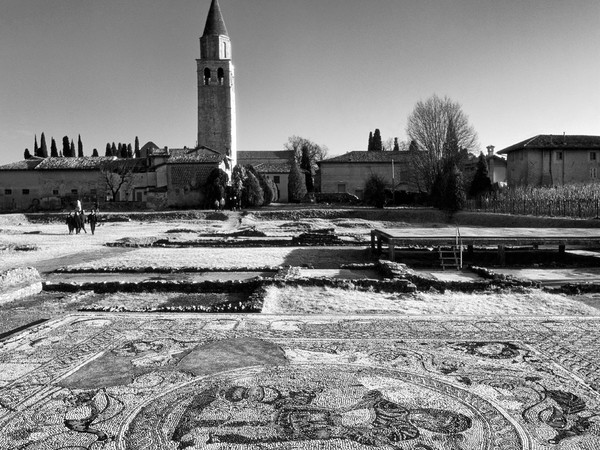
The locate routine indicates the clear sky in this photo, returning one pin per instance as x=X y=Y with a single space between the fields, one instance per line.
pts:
x=328 y=70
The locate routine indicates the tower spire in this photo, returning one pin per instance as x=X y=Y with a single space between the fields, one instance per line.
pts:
x=215 y=25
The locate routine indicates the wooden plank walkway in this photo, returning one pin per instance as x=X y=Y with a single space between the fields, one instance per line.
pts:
x=472 y=236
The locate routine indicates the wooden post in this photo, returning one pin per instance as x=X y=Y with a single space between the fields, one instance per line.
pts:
x=378 y=245
x=392 y=254
x=372 y=241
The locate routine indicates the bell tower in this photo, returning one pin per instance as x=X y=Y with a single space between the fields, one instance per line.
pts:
x=216 y=87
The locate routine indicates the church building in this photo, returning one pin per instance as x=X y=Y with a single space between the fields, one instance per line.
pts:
x=216 y=88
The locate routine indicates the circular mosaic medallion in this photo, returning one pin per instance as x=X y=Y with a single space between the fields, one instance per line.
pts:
x=308 y=406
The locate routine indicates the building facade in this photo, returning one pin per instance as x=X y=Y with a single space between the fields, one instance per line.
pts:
x=348 y=173
x=216 y=87
x=52 y=183
x=553 y=160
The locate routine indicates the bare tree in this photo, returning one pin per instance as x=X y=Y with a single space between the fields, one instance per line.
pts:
x=427 y=127
x=316 y=152
x=389 y=145
x=118 y=174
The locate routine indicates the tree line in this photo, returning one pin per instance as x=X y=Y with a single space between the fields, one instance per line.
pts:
x=440 y=144
x=68 y=150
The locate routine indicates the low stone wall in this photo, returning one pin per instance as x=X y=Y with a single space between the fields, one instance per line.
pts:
x=491 y=280
x=18 y=283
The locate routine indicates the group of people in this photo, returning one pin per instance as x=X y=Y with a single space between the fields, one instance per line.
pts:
x=77 y=219
x=233 y=202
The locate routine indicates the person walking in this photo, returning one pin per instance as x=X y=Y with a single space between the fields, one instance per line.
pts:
x=92 y=219
x=82 y=219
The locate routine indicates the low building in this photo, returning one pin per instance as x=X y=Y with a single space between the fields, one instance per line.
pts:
x=160 y=178
x=348 y=173
x=52 y=183
x=553 y=160
x=275 y=165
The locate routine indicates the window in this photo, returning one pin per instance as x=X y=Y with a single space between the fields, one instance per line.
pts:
x=54 y=191
x=559 y=156
x=593 y=156
x=139 y=196
x=224 y=50
x=276 y=179
x=341 y=188
x=593 y=172
x=206 y=76
x=8 y=191
x=74 y=191
x=25 y=191
x=220 y=75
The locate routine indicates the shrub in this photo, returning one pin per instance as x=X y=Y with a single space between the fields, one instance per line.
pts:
x=252 y=194
x=375 y=191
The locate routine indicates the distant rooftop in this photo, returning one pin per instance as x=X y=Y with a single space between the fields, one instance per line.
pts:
x=362 y=156
x=555 y=141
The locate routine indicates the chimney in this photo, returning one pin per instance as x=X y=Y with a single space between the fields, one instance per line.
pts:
x=490 y=149
x=564 y=139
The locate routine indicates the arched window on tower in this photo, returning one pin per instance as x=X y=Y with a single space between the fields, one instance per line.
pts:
x=206 y=76
x=224 y=50
x=220 y=76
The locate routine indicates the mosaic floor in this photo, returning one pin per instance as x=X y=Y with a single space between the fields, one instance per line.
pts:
x=110 y=381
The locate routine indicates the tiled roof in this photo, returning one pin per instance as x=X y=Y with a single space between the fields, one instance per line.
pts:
x=195 y=156
x=264 y=155
x=550 y=141
x=68 y=163
x=26 y=164
x=368 y=157
x=284 y=167
x=215 y=25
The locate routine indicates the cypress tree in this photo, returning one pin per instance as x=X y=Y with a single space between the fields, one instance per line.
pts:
x=95 y=153
x=26 y=154
x=396 y=145
x=451 y=150
x=377 y=142
x=296 y=184
x=108 y=151
x=307 y=168
x=43 y=148
x=53 y=149
x=66 y=148
x=79 y=147
x=370 y=146
x=252 y=193
x=267 y=192
x=113 y=150
x=36 y=150
x=72 y=149
x=137 y=147
x=455 y=197
x=481 y=181
x=129 y=151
